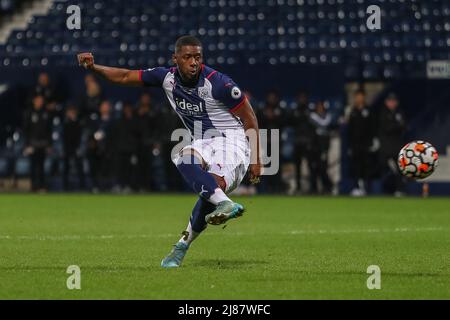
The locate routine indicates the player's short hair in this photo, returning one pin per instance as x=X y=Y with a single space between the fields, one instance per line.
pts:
x=187 y=41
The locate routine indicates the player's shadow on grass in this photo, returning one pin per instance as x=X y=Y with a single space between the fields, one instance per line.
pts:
x=226 y=264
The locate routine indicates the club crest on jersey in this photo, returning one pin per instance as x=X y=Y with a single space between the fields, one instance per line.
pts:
x=188 y=106
x=236 y=93
x=203 y=92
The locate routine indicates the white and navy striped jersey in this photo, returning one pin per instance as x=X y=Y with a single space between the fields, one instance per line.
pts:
x=207 y=106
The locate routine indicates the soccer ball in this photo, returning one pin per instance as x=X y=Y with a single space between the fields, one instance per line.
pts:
x=418 y=160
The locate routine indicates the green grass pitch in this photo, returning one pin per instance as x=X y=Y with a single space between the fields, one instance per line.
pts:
x=283 y=248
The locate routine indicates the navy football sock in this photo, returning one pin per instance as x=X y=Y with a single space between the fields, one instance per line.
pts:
x=201 y=210
x=199 y=180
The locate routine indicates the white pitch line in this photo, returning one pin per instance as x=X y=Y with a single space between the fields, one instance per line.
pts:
x=430 y=229
x=170 y=235
x=80 y=237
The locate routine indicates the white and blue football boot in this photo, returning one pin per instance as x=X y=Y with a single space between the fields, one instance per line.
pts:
x=176 y=256
x=225 y=211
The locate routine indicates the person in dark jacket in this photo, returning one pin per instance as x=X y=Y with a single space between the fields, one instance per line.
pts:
x=72 y=143
x=147 y=122
x=361 y=133
x=126 y=138
x=392 y=127
x=271 y=117
x=90 y=103
x=304 y=131
x=45 y=89
x=100 y=148
x=37 y=132
x=321 y=122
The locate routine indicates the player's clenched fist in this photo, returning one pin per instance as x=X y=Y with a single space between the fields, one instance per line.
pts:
x=86 y=60
x=255 y=171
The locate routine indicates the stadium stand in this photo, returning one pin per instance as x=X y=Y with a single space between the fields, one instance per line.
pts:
x=278 y=32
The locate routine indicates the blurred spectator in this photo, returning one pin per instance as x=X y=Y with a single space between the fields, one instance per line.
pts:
x=45 y=88
x=126 y=139
x=72 y=145
x=271 y=117
x=100 y=148
x=321 y=122
x=92 y=99
x=303 y=137
x=392 y=128
x=37 y=131
x=361 y=131
x=145 y=101
x=146 y=120
x=165 y=175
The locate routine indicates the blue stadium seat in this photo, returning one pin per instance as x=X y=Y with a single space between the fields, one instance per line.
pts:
x=22 y=167
x=4 y=167
x=371 y=72
x=392 y=71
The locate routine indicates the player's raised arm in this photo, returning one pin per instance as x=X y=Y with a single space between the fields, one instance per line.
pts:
x=250 y=122
x=115 y=75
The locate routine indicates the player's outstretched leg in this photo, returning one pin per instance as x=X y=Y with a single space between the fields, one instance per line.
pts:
x=196 y=225
x=190 y=167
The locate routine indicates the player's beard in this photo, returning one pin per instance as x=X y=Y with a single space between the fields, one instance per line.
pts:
x=189 y=79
